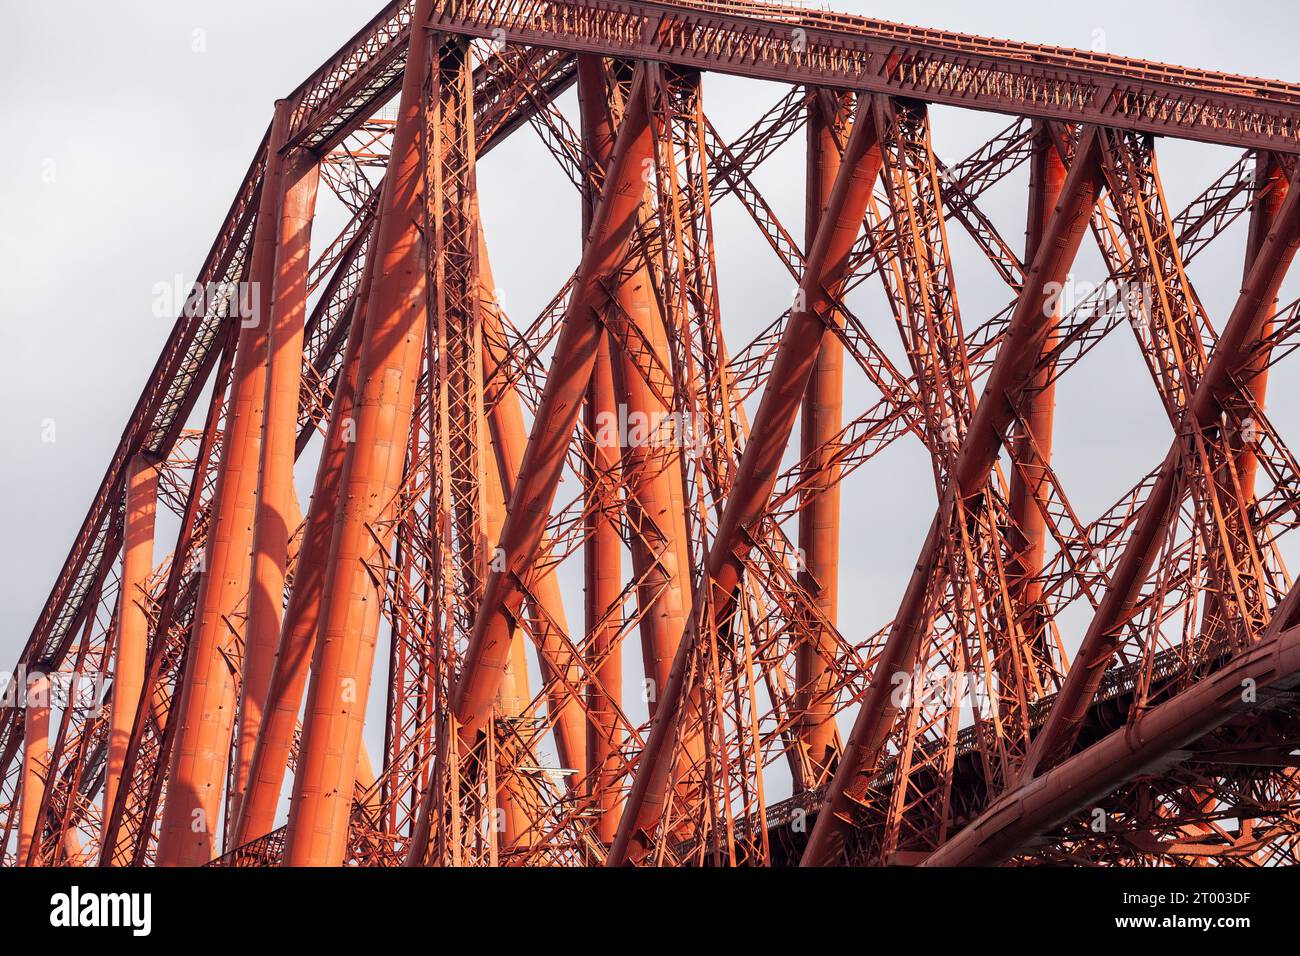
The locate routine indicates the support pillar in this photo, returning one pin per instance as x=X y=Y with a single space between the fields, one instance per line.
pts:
x=391 y=349
x=297 y=642
x=1271 y=186
x=819 y=518
x=36 y=758
x=207 y=696
x=1016 y=363
x=1032 y=436
x=557 y=414
x=132 y=632
x=514 y=696
x=603 y=554
x=787 y=383
x=276 y=511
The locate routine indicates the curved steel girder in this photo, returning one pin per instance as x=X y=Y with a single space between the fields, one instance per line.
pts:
x=1263 y=678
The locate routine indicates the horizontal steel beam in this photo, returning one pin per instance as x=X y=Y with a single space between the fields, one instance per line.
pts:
x=877 y=62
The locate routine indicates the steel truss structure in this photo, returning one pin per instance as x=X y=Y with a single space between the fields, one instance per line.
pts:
x=241 y=667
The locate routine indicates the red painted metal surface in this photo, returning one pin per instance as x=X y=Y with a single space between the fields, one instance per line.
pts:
x=209 y=689
x=469 y=453
x=370 y=475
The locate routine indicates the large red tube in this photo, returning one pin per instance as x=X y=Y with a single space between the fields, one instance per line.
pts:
x=35 y=767
x=276 y=508
x=824 y=272
x=206 y=710
x=393 y=340
x=603 y=554
x=1234 y=348
x=1146 y=744
x=1017 y=359
x=1032 y=439
x=297 y=640
x=557 y=414
x=132 y=635
x=819 y=518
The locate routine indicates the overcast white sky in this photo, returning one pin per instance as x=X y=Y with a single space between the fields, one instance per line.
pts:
x=129 y=125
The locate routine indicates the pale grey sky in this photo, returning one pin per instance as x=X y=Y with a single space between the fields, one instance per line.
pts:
x=126 y=142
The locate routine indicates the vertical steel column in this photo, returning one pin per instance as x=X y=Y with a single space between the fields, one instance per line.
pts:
x=297 y=641
x=391 y=350
x=1270 y=185
x=276 y=505
x=206 y=712
x=1032 y=436
x=1016 y=362
x=603 y=553
x=602 y=569
x=655 y=504
x=819 y=518
x=132 y=632
x=557 y=414
x=824 y=273
x=656 y=508
x=36 y=756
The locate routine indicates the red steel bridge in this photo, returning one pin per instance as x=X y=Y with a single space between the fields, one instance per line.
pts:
x=705 y=705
